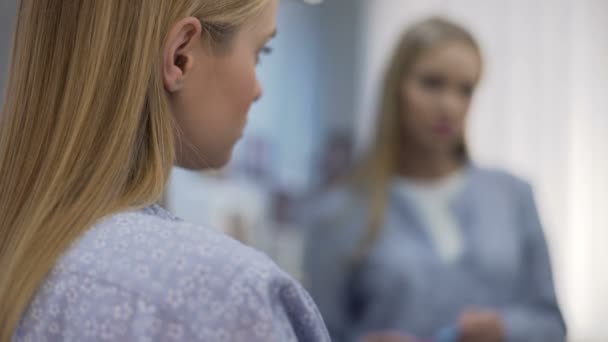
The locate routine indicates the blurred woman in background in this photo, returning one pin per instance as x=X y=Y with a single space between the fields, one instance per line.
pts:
x=104 y=97
x=421 y=243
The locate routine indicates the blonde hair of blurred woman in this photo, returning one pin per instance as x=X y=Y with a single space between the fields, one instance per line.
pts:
x=380 y=164
x=86 y=130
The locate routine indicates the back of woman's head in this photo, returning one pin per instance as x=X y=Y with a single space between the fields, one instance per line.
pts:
x=86 y=128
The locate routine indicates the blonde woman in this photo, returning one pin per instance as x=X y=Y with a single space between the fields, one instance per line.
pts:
x=423 y=243
x=104 y=97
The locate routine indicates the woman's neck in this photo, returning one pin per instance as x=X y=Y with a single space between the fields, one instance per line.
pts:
x=428 y=166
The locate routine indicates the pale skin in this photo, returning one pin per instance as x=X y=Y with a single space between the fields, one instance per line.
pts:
x=210 y=90
x=436 y=97
x=478 y=325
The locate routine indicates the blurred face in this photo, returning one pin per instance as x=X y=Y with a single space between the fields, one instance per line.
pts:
x=211 y=89
x=437 y=95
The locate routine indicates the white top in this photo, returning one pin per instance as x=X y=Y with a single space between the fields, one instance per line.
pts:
x=433 y=200
x=234 y=206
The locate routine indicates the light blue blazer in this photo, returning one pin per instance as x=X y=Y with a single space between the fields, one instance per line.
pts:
x=404 y=285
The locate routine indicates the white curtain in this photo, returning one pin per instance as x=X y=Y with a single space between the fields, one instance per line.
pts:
x=541 y=112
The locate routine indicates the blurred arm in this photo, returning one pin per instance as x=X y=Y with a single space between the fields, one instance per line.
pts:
x=326 y=280
x=537 y=318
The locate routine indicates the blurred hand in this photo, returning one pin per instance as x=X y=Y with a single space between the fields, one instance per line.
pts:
x=386 y=337
x=481 y=326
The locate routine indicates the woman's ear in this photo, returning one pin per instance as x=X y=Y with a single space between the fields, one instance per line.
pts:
x=179 y=52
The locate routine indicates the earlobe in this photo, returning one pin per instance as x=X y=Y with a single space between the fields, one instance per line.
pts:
x=172 y=78
x=178 y=53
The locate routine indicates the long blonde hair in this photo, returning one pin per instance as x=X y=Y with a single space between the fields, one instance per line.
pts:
x=86 y=129
x=380 y=164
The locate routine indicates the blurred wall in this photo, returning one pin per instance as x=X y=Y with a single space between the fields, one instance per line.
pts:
x=309 y=86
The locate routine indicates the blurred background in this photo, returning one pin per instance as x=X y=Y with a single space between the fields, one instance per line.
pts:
x=540 y=113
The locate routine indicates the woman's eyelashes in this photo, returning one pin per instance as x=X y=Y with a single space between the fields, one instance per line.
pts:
x=467 y=90
x=266 y=50
x=432 y=82
x=436 y=83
